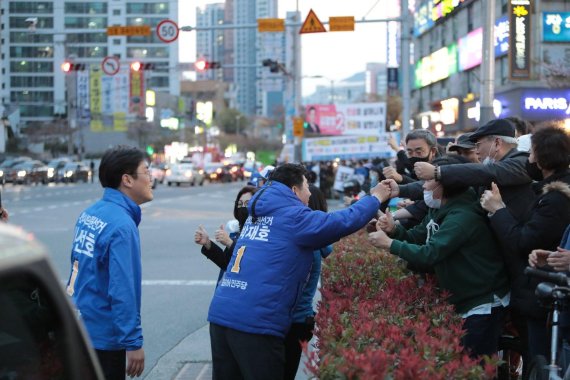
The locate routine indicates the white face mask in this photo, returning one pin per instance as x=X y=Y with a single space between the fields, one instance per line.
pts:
x=430 y=201
x=490 y=160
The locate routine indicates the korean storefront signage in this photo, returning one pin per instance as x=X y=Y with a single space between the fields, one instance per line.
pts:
x=437 y=66
x=556 y=26
x=547 y=104
x=520 y=33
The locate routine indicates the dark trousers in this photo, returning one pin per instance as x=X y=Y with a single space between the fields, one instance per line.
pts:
x=538 y=338
x=483 y=332
x=239 y=355
x=299 y=332
x=113 y=364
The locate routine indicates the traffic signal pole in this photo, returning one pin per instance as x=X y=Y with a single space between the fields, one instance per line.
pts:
x=295 y=71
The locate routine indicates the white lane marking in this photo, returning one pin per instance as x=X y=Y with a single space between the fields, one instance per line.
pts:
x=179 y=282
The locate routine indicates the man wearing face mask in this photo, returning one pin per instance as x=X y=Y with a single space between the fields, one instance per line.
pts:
x=455 y=240
x=501 y=162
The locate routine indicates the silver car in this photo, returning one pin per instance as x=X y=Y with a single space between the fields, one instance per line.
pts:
x=178 y=174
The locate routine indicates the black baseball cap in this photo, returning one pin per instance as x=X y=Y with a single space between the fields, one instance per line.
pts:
x=497 y=127
x=462 y=142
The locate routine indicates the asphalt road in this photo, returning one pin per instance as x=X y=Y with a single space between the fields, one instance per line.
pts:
x=178 y=282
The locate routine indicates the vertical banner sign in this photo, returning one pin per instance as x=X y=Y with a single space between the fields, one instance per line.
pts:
x=520 y=35
x=95 y=92
x=83 y=94
x=120 y=102
x=136 y=105
x=392 y=81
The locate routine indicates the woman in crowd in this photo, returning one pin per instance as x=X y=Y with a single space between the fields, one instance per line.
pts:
x=454 y=239
x=549 y=217
x=221 y=257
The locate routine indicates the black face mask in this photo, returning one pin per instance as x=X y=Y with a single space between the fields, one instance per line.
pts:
x=413 y=160
x=242 y=215
x=533 y=171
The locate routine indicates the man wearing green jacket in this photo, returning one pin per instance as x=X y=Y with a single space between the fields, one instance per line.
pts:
x=454 y=239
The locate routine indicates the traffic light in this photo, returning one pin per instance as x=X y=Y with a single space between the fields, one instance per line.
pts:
x=140 y=66
x=203 y=65
x=274 y=66
x=68 y=66
x=150 y=150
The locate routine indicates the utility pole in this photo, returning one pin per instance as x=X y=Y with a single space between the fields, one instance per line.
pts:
x=488 y=64
x=405 y=30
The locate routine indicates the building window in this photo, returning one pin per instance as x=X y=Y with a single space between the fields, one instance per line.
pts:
x=32 y=7
x=31 y=96
x=86 y=38
x=31 y=67
x=144 y=52
x=147 y=8
x=116 y=12
x=27 y=37
x=20 y=22
x=86 y=22
x=31 y=52
x=31 y=81
x=86 y=8
x=87 y=52
x=116 y=41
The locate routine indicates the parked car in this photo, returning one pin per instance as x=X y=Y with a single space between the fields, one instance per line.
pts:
x=40 y=334
x=158 y=173
x=55 y=167
x=28 y=172
x=184 y=173
x=75 y=172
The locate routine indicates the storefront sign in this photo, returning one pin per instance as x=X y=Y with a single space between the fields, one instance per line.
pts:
x=475 y=112
x=437 y=66
x=520 y=32
x=551 y=104
x=556 y=26
x=431 y=11
x=470 y=47
x=449 y=111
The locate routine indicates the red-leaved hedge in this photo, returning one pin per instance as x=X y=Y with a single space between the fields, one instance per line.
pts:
x=376 y=320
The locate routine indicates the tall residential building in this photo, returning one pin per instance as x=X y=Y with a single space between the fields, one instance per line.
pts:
x=247 y=57
x=38 y=36
x=210 y=43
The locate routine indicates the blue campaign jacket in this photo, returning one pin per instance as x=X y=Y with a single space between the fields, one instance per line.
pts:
x=273 y=256
x=105 y=280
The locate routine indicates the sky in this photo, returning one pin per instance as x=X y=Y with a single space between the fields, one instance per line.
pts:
x=333 y=55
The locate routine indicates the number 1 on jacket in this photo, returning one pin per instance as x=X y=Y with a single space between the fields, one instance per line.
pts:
x=236 y=267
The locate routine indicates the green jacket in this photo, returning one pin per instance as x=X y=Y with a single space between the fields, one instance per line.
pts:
x=457 y=242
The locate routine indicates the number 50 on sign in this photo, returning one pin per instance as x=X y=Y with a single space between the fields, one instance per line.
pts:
x=167 y=31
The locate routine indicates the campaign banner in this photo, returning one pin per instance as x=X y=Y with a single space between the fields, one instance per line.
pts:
x=362 y=119
x=83 y=98
x=343 y=173
x=346 y=147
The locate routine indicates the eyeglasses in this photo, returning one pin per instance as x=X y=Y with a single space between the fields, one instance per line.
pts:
x=146 y=173
x=242 y=203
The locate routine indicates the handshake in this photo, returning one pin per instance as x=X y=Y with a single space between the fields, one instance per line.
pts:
x=385 y=190
x=378 y=230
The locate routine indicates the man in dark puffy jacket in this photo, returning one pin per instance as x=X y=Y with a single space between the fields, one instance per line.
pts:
x=252 y=307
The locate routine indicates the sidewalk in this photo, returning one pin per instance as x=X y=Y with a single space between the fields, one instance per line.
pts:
x=191 y=360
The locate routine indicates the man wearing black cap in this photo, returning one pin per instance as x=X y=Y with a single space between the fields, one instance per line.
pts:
x=464 y=147
x=496 y=147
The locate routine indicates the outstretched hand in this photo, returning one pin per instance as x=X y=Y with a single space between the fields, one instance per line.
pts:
x=223 y=237
x=201 y=236
x=424 y=170
x=381 y=191
x=491 y=200
x=379 y=239
x=385 y=222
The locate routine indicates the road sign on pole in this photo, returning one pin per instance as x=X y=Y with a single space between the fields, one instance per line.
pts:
x=131 y=30
x=312 y=24
x=341 y=24
x=110 y=65
x=167 y=31
x=270 y=25
x=298 y=127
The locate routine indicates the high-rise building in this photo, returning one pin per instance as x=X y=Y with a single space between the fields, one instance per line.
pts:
x=210 y=43
x=38 y=36
x=247 y=57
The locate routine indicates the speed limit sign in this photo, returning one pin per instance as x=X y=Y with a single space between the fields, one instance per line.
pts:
x=167 y=31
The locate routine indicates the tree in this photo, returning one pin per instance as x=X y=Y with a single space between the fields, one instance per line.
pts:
x=230 y=119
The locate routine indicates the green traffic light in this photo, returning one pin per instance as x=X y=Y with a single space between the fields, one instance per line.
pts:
x=149 y=150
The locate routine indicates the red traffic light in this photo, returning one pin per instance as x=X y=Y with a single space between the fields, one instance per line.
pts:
x=201 y=65
x=136 y=66
x=66 y=66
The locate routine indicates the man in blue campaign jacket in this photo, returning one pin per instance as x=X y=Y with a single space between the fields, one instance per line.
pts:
x=252 y=307
x=105 y=280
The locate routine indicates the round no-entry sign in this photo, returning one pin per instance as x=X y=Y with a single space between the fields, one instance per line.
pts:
x=111 y=65
x=167 y=31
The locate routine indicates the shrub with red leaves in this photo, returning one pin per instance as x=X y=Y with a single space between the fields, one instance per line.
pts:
x=377 y=320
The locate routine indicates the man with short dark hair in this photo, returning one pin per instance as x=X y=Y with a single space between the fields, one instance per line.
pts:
x=105 y=279
x=251 y=310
